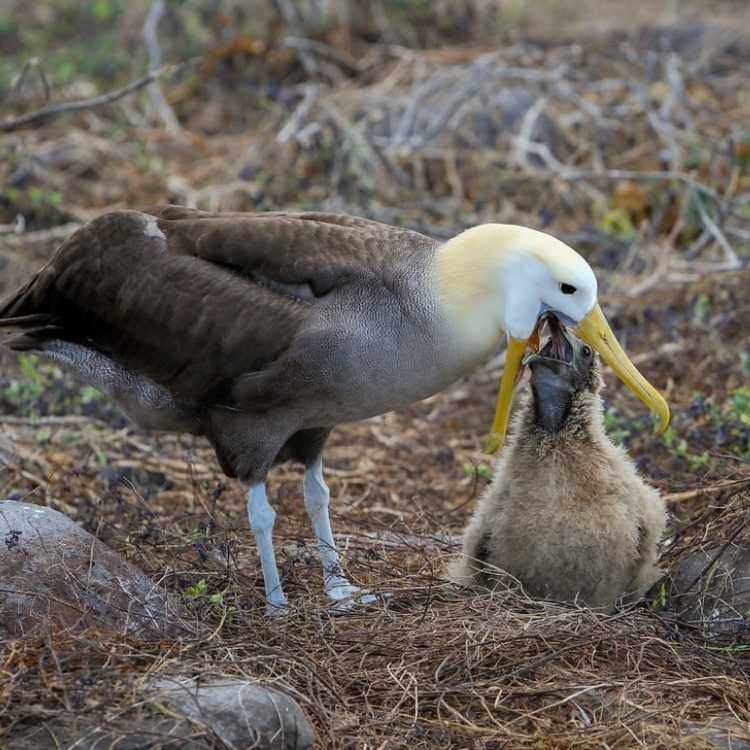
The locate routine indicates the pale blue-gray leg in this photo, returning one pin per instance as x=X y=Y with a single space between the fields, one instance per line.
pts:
x=262 y=516
x=317 y=501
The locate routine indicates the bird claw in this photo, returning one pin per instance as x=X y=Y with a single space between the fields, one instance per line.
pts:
x=277 y=607
x=346 y=596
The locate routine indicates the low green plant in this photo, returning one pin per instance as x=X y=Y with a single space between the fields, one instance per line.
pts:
x=735 y=420
x=660 y=597
x=43 y=196
x=89 y=395
x=614 y=221
x=25 y=391
x=730 y=423
x=200 y=589
x=616 y=426
x=478 y=470
x=701 y=308
x=38 y=377
x=197 y=589
x=680 y=448
x=43 y=435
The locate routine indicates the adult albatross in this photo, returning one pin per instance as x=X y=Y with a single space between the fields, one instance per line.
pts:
x=263 y=331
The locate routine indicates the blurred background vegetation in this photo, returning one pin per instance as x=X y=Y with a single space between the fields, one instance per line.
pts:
x=371 y=105
x=620 y=127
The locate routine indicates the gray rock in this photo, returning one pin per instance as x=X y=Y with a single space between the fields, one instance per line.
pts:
x=55 y=574
x=242 y=714
x=723 y=734
x=712 y=590
x=180 y=714
x=141 y=733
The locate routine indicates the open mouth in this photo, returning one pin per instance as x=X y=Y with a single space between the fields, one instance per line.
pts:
x=557 y=347
x=558 y=356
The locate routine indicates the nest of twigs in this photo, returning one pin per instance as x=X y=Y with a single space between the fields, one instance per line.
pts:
x=430 y=665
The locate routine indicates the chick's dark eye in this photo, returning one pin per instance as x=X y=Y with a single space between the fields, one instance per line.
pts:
x=567 y=288
x=586 y=351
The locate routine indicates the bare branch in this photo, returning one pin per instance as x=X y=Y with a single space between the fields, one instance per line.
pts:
x=523 y=140
x=17 y=227
x=151 y=39
x=300 y=44
x=33 y=64
x=293 y=124
x=55 y=110
x=732 y=261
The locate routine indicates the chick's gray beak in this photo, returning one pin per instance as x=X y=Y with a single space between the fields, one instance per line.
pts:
x=553 y=378
x=553 y=391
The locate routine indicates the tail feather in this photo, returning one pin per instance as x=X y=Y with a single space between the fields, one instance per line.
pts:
x=29 y=332
x=38 y=312
x=20 y=317
x=23 y=322
x=13 y=306
x=33 y=340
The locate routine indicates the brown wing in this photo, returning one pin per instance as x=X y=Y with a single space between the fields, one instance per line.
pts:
x=320 y=250
x=206 y=298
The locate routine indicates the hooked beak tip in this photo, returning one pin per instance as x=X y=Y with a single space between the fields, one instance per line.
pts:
x=595 y=331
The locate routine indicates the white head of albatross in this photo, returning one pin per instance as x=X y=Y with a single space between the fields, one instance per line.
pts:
x=502 y=277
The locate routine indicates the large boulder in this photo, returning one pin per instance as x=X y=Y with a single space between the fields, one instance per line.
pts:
x=240 y=713
x=55 y=574
x=183 y=714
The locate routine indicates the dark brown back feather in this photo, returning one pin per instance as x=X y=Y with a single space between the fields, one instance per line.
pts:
x=191 y=311
x=323 y=250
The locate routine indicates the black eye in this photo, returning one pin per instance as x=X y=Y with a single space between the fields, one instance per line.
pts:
x=567 y=288
x=586 y=351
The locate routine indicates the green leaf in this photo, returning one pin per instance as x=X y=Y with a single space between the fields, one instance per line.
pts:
x=43 y=435
x=103 y=9
x=197 y=589
x=701 y=308
x=89 y=394
x=481 y=470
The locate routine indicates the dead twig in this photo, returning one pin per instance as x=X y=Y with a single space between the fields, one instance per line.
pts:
x=292 y=126
x=679 y=497
x=732 y=261
x=34 y=64
x=325 y=51
x=51 y=111
x=151 y=39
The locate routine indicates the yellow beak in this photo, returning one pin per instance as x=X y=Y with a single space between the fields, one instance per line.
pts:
x=595 y=331
x=513 y=358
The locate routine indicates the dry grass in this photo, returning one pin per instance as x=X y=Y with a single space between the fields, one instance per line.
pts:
x=430 y=667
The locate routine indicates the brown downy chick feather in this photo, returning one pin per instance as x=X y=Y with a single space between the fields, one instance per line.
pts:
x=566 y=513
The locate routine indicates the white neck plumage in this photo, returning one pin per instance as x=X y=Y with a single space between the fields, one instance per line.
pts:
x=469 y=276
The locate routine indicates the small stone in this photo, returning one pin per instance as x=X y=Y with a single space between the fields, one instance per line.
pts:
x=711 y=588
x=55 y=574
x=722 y=734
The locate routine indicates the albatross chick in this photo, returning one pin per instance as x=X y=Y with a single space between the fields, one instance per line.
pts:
x=566 y=513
